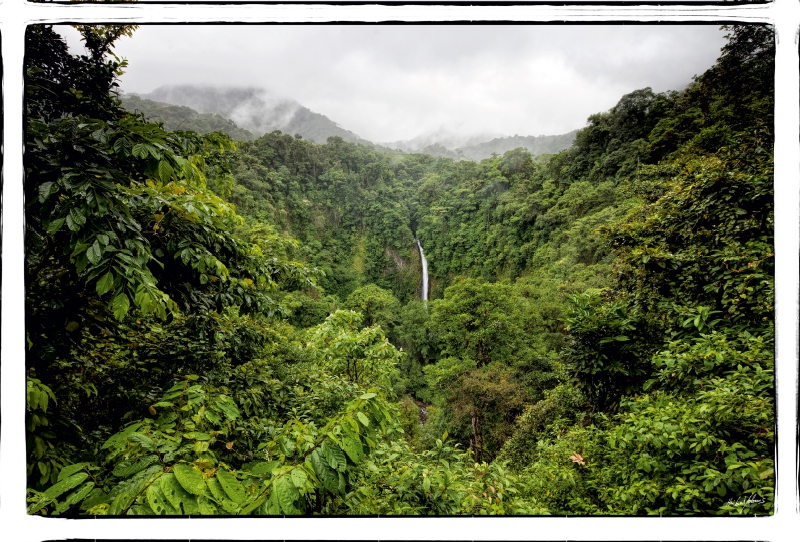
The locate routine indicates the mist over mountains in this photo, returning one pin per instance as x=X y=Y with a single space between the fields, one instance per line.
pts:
x=245 y=113
x=180 y=117
x=443 y=137
x=255 y=110
x=543 y=144
x=447 y=145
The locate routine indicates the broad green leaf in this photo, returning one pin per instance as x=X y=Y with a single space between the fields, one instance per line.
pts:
x=75 y=219
x=190 y=478
x=273 y=505
x=121 y=145
x=324 y=472
x=132 y=466
x=342 y=489
x=229 y=506
x=212 y=416
x=216 y=489
x=352 y=445
x=105 y=283
x=158 y=501
x=143 y=440
x=226 y=405
x=299 y=478
x=77 y=496
x=287 y=495
x=45 y=189
x=94 y=253
x=164 y=171
x=334 y=456
x=287 y=446
x=121 y=503
x=178 y=497
x=206 y=506
x=69 y=470
x=120 y=305
x=253 y=505
x=55 y=225
x=66 y=484
x=139 y=150
x=231 y=485
x=263 y=467
x=197 y=435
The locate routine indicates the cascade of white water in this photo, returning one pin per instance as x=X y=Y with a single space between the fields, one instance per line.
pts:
x=424 y=272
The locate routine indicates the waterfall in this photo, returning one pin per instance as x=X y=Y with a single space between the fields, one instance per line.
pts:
x=424 y=273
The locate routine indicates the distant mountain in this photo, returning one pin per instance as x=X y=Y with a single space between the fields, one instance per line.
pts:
x=443 y=144
x=179 y=117
x=441 y=140
x=256 y=110
x=246 y=113
x=536 y=145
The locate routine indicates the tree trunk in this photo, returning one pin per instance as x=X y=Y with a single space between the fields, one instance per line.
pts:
x=477 y=441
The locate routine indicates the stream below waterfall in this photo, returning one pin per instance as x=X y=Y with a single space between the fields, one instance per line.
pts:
x=423 y=410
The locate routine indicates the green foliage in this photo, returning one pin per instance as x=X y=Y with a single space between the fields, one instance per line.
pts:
x=307 y=309
x=44 y=459
x=412 y=337
x=561 y=407
x=609 y=348
x=708 y=239
x=378 y=306
x=440 y=481
x=119 y=222
x=476 y=320
x=483 y=403
x=701 y=443
x=177 y=463
x=341 y=200
x=598 y=341
x=362 y=356
x=176 y=117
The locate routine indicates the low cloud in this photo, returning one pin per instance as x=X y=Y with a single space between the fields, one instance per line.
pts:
x=390 y=83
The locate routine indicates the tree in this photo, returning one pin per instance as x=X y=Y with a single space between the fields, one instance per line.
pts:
x=119 y=222
x=488 y=399
x=363 y=356
x=378 y=306
x=412 y=338
x=477 y=320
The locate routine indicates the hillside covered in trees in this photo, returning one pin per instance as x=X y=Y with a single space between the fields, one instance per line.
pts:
x=235 y=327
x=255 y=109
x=179 y=117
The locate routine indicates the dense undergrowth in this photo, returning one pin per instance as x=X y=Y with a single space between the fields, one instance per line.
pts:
x=219 y=327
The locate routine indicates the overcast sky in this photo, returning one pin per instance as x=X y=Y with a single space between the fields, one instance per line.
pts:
x=388 y=83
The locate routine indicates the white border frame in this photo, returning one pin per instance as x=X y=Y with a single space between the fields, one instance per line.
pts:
x=784 y=525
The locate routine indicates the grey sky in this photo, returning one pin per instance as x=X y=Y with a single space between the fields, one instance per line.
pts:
x=387 y=83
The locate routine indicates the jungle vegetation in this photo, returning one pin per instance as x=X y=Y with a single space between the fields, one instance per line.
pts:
x=234 y=327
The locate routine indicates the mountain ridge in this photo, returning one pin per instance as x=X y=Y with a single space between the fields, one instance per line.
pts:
x=255 y=110
x=249 y=112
